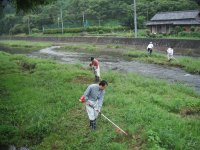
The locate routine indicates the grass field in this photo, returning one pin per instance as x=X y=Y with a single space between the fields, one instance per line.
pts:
x=39 y=108
x=21 y=46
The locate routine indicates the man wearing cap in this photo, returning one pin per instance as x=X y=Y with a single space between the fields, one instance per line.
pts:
x=150 y=48
x=93 y=98
x=95 y=66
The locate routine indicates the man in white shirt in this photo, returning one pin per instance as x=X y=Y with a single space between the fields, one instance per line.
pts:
x=150 y=48
x=170 y=53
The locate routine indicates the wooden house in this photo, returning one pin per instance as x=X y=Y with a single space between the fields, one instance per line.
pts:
x=165 y=22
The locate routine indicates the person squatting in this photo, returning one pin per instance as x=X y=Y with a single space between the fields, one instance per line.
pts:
x=150 y=48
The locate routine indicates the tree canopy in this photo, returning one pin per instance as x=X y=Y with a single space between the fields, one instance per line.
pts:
x=24 y=5
x=94 y=12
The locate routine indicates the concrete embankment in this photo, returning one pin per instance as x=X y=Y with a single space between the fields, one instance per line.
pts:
x=181 y=46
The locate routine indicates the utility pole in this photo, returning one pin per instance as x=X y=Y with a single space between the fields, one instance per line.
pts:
x=83 y=19
x=135 y=18
x=61 y=18
x=147 y=7
x=29 y=30
x=58 y=22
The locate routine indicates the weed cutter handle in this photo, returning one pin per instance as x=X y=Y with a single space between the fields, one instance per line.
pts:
x=114 y=124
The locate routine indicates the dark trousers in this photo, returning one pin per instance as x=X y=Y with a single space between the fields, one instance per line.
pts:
x=149 y=51
x=93 y=124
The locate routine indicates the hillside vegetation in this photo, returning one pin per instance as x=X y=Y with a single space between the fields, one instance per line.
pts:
x=86 y=13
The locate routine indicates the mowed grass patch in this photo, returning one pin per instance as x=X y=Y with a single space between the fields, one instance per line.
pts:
x=40 y=108
x=189 y=64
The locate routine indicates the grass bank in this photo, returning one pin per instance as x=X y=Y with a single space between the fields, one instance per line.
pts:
x=39 y=108
x=80 y=47
x=15 y=46
x=189 y=64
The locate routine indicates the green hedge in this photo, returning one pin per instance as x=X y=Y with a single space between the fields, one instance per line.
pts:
x=189 y=34
x=88 y=29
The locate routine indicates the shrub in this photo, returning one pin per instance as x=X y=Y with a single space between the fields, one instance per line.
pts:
x=192 y=28
x=148 y=32
x=189 y=34
x=100 y=31
x=35 y=30
x=178 y=29
x=197 y=29
x=96 y=29
x=19 y=28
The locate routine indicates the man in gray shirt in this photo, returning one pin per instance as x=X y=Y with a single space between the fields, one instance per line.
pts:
x=94 y=95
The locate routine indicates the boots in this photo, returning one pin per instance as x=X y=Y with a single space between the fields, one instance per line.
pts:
x=97 y=79
x=93 y=124
x=90 y=123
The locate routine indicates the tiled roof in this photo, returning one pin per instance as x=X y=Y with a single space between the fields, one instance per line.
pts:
x=176 y=15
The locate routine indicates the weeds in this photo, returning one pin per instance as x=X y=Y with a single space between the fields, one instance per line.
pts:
x=41 y=109
x=187 y=63
x=83 y=47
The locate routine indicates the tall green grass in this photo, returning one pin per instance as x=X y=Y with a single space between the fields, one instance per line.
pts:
x=20 y=46
x=189 y=64
x=16 y=43
x=80 y=47
x=40 y=108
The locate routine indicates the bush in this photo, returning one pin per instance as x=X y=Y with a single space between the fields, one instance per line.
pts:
x=19 y=28
x=197 y=29
x=99 y=30
x=178 y=29
x=192 y=29
x=189 y=34
x=35 y=30
x=152 y=35
x=148 y=32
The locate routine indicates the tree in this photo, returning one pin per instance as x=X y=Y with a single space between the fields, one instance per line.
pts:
x=24 y=5
x=197 y=1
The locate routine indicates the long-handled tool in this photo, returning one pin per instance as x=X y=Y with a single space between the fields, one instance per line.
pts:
x=114 y=124
x=174 y=58
x=82 y=99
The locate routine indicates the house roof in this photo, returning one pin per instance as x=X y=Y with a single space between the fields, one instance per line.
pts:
x=176 y=15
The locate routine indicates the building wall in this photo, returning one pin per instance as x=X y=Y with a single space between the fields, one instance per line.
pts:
x=168 y=28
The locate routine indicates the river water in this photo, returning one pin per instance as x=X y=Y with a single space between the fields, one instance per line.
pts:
x=109 y=62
